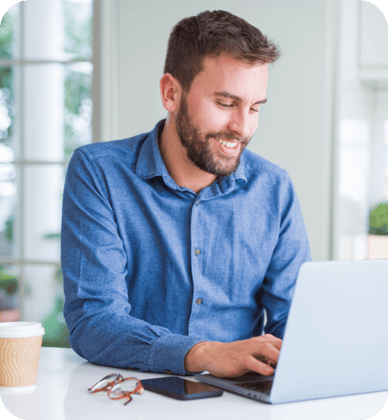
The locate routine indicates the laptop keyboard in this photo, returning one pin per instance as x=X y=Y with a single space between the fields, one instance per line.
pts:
x=261 y=386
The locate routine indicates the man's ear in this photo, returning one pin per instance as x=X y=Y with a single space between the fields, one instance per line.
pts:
x=169 y=92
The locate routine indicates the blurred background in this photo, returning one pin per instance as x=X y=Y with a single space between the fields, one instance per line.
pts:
x=77 y=71
x=45 y=113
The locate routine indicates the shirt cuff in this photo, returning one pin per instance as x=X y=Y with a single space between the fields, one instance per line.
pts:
x=169 y=351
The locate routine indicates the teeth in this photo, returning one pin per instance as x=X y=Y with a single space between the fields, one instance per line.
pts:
x=228 y=143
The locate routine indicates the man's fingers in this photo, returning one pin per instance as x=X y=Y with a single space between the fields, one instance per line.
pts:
x=255 y=365
x=267 y=361
x=275 y=341
x=266 y=352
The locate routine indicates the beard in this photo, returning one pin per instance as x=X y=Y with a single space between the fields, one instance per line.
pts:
x=198 y=145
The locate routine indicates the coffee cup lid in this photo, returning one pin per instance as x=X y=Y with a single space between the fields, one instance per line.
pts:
x=20 y=329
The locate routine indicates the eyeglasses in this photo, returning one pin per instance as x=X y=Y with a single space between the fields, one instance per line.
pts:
x=118 y=387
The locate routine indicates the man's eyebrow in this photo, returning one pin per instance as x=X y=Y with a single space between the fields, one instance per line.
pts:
x=228 y=95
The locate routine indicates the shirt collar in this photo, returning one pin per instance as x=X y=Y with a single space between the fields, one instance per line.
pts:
x=150 y=163
x=149 y=160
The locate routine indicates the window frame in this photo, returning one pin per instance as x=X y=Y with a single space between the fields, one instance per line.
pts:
x=20 y=261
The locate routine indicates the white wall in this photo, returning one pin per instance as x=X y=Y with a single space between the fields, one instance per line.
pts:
x=295 y=129
x=374 y=39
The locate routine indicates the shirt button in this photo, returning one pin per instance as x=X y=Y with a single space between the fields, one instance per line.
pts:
x=197 y=251
x=198 y=301
x=197 y=203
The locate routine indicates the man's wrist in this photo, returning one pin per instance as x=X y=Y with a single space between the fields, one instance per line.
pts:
x=197 y=357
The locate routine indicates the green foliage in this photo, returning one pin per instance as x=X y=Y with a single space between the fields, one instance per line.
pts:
x=6 y=73
x=8 y=282
x=9 y=229
x=378 y=220
x=77 y=94
x=57 y=334
x=6 y=102
x=78 y=41
x=78 y=30
x=6 y=76
x=77 y=86
x=6 y=36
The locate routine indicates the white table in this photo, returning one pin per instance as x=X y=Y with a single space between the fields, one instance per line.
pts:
x=64 y=377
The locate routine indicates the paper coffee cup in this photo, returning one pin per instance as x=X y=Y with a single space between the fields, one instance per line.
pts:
x=20 y=344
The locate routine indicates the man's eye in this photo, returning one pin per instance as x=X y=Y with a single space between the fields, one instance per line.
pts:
x=225 y=105
x=254 y=110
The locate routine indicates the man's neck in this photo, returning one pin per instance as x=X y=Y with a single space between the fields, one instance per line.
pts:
x=183 y=171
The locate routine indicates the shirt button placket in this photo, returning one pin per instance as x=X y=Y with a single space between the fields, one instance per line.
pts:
x=197 y=313
x=197 y=252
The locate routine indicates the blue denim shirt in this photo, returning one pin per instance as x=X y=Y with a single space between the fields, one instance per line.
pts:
x=151 y=268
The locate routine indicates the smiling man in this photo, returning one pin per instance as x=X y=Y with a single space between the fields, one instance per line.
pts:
x=180 y=247
x=207 y=141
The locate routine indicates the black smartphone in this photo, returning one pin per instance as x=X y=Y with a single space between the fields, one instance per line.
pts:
x=180 y=389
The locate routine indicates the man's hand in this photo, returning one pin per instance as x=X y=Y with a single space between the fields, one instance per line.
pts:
x=256 y=354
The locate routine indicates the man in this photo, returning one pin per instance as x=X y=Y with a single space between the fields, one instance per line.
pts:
x=177 y=242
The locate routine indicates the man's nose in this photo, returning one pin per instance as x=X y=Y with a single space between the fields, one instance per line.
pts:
x=243 y=124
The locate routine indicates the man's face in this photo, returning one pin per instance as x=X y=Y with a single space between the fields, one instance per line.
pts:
x=217 y=118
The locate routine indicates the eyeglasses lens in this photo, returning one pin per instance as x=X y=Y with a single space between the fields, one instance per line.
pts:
x=126 y=386
x=104 y=382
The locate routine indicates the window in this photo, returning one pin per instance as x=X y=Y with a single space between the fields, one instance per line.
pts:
x=378 y=209
x=361 y=196
x=45 y=113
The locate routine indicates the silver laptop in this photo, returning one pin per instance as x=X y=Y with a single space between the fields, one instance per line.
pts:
x=336 y=337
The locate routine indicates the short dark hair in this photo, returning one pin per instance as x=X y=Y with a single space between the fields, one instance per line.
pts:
x=210 y=34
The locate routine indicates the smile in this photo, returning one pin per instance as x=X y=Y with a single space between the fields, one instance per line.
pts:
x=228 y=143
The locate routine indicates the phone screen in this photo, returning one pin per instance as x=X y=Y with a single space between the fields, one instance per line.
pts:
x=181 y=389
